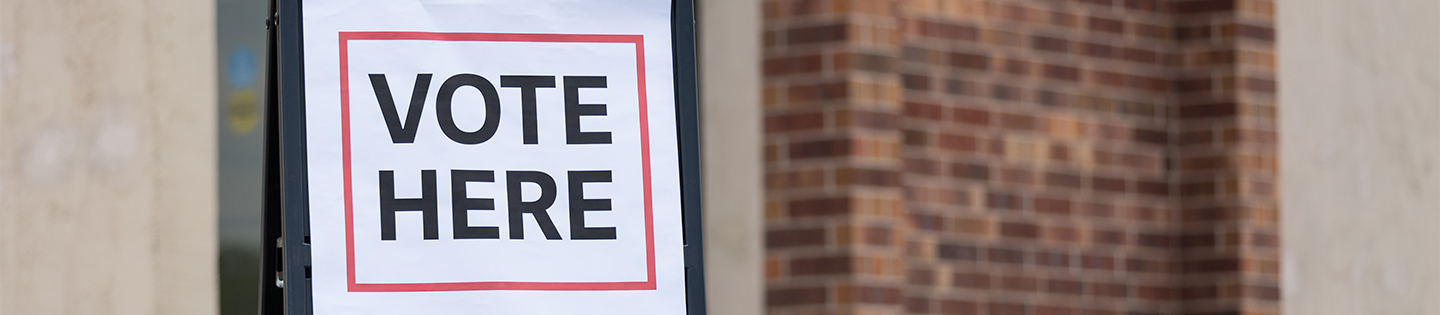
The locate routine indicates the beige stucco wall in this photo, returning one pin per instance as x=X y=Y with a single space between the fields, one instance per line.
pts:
x=730 y=113
x=107 y=201
x=1360 y=146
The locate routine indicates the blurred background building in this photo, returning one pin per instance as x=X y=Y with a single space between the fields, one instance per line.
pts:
x=1028 y=157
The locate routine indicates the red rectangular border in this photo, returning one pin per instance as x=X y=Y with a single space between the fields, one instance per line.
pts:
x=352 y=286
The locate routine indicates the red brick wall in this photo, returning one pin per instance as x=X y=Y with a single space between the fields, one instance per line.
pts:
x=1029 y=157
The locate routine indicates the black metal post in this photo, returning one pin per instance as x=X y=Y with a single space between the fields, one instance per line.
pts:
x=294 y=193
x=271 y=294
x=286 y=242
x=687 y=120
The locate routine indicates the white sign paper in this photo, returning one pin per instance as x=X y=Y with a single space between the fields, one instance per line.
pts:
x=496 y=157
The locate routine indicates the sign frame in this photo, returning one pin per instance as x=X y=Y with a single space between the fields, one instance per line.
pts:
x=285 y=213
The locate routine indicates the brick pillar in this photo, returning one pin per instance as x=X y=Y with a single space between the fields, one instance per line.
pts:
x=1025 y=157
x=1226 y=154
x=834 y=204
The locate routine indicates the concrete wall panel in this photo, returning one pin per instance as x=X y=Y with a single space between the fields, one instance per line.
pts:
x=1360 y=147
x=730 y=121
x=107 y=157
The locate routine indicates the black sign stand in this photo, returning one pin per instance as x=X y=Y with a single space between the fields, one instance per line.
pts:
x=687 y=120
x=285 y=258
x=286 y=255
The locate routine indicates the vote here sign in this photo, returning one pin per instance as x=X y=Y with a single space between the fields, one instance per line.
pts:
x=509 y=157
